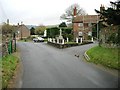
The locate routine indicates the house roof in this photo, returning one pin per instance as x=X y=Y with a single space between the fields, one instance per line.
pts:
x=18 y=27
x=86 y=19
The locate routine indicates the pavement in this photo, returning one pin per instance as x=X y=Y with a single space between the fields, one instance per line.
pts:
x=45 y=66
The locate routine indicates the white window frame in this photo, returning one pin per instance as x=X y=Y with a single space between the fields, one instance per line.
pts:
x=89 y=24
x=80 y=24
x=80 y=33
x=89 y=33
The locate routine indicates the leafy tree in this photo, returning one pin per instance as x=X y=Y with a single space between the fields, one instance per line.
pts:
x=112 y=14
x=63 y=24
x=69 y=13
x=32 y=31
x=7 y=29
x=67 y=33
x=40 y=30
x=52 y=32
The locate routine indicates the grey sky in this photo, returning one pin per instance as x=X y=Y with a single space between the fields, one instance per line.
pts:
x=45 y=12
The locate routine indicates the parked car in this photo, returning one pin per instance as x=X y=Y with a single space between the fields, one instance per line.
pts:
x=38 y=39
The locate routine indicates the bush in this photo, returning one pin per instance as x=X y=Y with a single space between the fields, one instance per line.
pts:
x=113 y=38
x=89 y=37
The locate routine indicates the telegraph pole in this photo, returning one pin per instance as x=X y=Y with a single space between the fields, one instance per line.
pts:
x=21 y=30
x=97 y=27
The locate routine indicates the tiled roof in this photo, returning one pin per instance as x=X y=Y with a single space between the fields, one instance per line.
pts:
x=86 y=19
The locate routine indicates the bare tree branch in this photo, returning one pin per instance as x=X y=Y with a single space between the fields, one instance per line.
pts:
x=69 y=13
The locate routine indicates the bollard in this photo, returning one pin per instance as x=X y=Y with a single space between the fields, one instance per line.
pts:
x=80 y=40
x=92 y=39
x=48 y=39
x=63 y=41
x=53 y=40
x=76 y=40
x=67 y=39
x=57 y=40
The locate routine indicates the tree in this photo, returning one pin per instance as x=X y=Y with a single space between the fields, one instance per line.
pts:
x=63 y=24
x=7 y=29
x=32 y=31
x=52 y=32
x=69 y=13
x=112 y=14
x=40 y=30
x=67 y=33
x=111 y=17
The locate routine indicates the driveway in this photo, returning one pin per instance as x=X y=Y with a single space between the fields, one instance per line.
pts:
x=47 y=67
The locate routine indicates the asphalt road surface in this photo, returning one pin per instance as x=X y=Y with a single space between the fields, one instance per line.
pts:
x=45 y=66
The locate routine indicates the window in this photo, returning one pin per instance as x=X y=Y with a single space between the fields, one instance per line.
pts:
x=80 y=24
x=89 y=24
x=80 y=33
x=89 y=33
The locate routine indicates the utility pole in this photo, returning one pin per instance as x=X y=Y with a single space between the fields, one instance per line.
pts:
x=97 y=27
x=21 y=30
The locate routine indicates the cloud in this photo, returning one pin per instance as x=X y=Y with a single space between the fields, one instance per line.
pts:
x=43 y=11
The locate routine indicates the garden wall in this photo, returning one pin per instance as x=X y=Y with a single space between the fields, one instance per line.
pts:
x=109 y=36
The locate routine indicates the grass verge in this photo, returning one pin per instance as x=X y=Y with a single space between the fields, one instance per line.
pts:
x=70 y=43
x=9 y=64
x=105 y=56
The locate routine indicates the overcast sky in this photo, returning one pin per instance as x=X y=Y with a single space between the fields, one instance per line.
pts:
x=46 y=12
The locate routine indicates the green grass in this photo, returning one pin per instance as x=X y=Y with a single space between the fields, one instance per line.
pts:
x=105 y=56
x=25 y=40
x=9 y=64
x=70 y=43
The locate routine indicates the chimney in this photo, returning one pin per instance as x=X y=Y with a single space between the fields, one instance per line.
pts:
x=102 y=8
x=75 y=11
x=21 y=23
x=18 y=25
x=8 y=21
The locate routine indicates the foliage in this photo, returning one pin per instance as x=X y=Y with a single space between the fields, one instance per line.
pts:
x=105 y=56
x=112 y=14
x=7 y=29
x=32 y=31
x=55 y=31
x=63 y=24
x=9 y=64
x=118 y=38
x=40 y=30
x=67 y=33
x=52 y=32
x=69 y=13
x=89 y=37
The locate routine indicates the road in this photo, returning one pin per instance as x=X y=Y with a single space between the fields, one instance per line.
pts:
x=47 y=67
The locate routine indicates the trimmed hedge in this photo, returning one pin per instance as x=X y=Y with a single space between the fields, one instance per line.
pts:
x=66 y=45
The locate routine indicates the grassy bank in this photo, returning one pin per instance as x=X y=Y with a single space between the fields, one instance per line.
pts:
x=9 y=64
x=105 y=56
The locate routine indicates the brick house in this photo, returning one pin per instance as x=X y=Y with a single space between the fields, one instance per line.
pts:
x=82 y=25
x=22 y=31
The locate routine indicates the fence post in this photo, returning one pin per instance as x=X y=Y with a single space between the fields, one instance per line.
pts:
x=67 y=39
x=76 y=40
x=81 y=40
